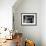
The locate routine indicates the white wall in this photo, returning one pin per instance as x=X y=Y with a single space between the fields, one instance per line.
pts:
x=6 y=13
x=28 y=6
x=36 y=33
x=43 y=22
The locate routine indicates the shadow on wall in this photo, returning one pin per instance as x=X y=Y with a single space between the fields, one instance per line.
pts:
x=17 y=4
x=15 y=14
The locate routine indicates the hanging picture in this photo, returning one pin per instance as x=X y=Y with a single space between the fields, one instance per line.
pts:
x=29 y=18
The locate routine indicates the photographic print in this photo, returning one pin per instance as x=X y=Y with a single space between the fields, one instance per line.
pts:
x=28 y=18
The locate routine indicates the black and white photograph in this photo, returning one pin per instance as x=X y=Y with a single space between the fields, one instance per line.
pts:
x=28 y=19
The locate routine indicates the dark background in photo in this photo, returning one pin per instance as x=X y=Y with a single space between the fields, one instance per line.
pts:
x=28 y=19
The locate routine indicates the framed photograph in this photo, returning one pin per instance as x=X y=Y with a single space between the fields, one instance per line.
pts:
x=29 y=19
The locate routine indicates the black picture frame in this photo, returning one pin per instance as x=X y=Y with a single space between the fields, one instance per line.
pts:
x=29 y=19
